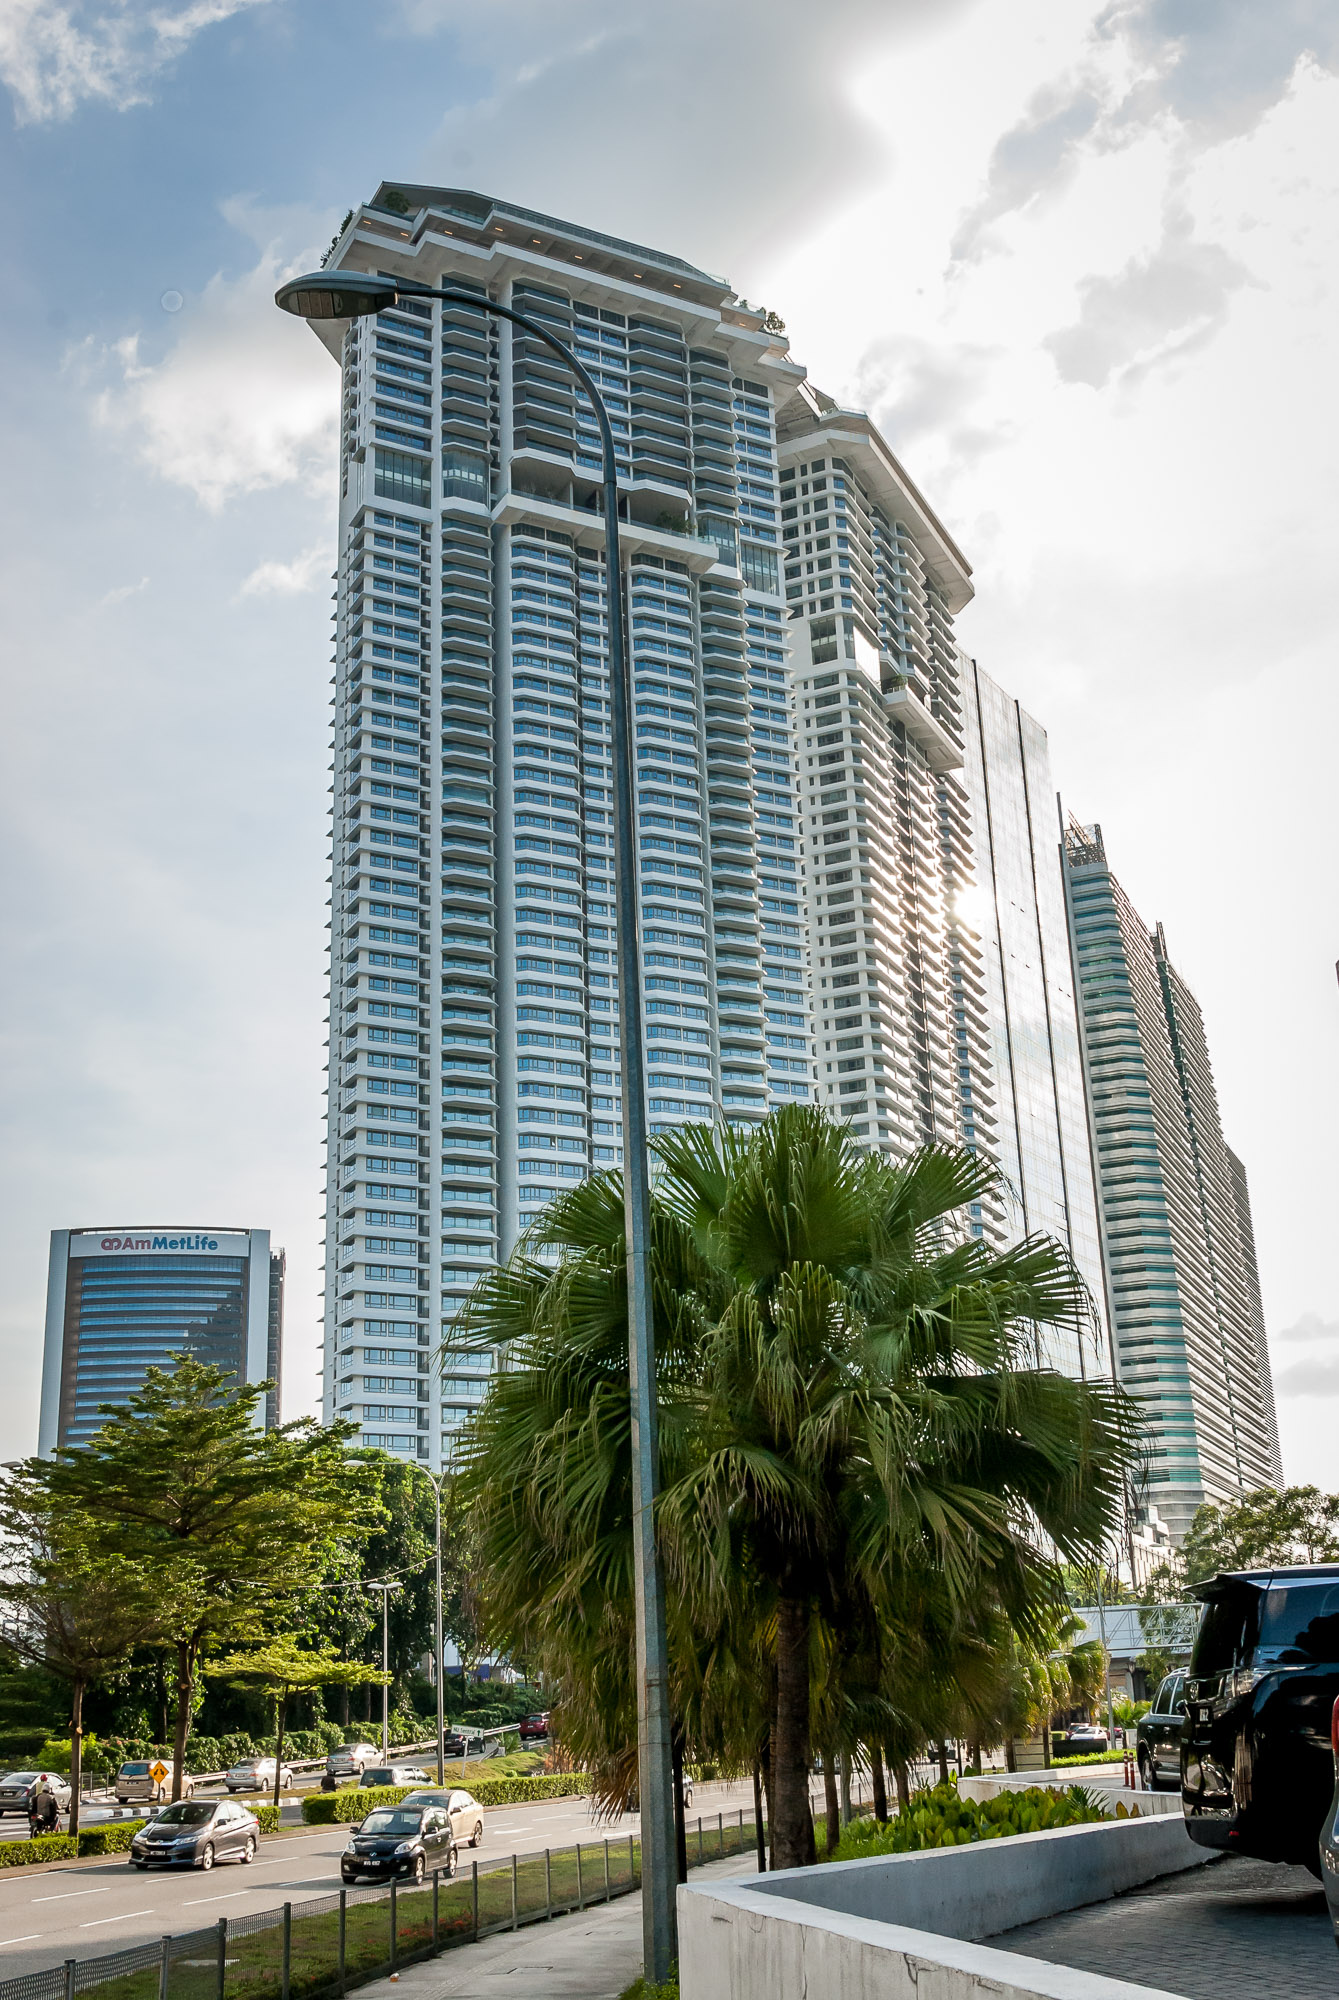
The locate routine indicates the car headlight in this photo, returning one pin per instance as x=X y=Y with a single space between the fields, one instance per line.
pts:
x=405 y=1847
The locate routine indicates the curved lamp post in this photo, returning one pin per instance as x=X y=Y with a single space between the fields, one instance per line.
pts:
x=323 y=295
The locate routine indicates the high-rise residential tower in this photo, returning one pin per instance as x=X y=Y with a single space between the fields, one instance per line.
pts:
x=473 y=1050
x=123 y=1300
x=1188 y=1326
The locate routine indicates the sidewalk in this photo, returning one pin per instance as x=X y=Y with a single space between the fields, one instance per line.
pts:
x=592 y=1955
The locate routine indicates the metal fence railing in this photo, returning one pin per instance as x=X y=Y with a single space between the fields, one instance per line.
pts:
x=329 y=1944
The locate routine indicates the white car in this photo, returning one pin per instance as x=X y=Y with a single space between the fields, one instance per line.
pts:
x=256 y=1774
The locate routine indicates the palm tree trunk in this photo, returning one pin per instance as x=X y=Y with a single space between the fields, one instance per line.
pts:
x=76 y=1751
x=759 y=1830
x=793 y=1838
x=942 y=1749
x=876 y=1783
x=832 y=1811
x=1010 y=1754
x=903 y=1784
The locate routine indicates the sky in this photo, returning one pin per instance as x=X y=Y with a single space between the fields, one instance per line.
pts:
x=1077 y=261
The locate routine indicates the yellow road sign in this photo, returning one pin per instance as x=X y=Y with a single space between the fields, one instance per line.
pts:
x=158 y=1772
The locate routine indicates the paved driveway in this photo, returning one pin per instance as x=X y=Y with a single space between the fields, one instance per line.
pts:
x=1232 y=1930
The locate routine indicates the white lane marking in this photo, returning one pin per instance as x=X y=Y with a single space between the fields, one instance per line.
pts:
x=27 y=1938
x=66 y=1894
x=124 y=1918
x=227 y=1897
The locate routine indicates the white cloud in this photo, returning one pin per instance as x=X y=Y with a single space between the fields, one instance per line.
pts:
x=245 y=399
x=1316 y=1376
x=120 y=594
x=287 y=579
x=1310 y=1327
x=56 y=58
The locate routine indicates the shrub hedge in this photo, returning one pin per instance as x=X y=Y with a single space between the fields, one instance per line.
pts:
x=350 y=1804
x=50 y=1847
x=939 y=1817
x=113 y=1839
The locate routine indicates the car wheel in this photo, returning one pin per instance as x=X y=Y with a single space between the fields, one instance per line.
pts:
x=249 y=1851
x=477 y=1837
x=207 y=1856
x=452 y=1862
x=1147 y=1776
x=419 y=1868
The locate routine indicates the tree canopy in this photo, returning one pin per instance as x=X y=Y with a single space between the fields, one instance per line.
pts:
x=862 y=1470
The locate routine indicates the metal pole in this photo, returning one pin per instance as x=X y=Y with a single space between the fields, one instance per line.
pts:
x=70 y=1965
x=222 y=1957
x=655 y=1775
x=394 y=1923
x=288 y=1950
x=343 y=1933
x=164 y=1963
x=385 y=1668
x=474 y=1897
x=441 y=1667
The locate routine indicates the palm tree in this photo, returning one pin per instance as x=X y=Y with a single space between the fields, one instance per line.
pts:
x=857 y=1451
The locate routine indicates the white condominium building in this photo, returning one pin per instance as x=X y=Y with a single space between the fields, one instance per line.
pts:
x=473 y=1065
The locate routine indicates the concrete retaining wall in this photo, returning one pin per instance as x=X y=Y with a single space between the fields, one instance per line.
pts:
x=735 y=1944
x=1146 y=1803
x=876 y=1926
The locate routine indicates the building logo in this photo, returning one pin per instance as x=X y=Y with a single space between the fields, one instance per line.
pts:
x=160 y=1243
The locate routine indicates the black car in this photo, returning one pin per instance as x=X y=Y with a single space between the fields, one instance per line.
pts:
x=400 y=1840
x=1158 y=1735
x=1257 y=1768
x=195 y=1833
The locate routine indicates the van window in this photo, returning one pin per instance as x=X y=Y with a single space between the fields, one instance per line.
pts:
x=1299 y=1623
x=1227 y=1633
x=134 y=1770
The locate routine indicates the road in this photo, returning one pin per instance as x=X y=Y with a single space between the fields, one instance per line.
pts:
x=94 y=1908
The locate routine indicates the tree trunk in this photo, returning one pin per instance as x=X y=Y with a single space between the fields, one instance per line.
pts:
x=903 y=1784
x=845 y=1785
x=1046 y=1746
x=832 y=1811
x=942 y=1748
x=759 y=1831
x=876 y=1783
x=76 y=1751
x=680 y=1823
x=1010 y=1754
x=768 y=1762
x=793 y=1839
x=974 y=1759
x=344 y=1706
x=280 y=1716
x=185 y=1689
x=161 y=1691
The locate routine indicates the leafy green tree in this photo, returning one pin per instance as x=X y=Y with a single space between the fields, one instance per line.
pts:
x=228 y=1523
x=854 y=1442
x=283 y=1668
x=74 y=1610
x=1264 y=1529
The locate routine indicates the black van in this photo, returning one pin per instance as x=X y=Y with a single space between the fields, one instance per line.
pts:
x=1257 y=1769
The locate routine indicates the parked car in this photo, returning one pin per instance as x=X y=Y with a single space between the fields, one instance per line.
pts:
x=400 y=1840
x=454 y=1743
x=1158 y=1736
x=346 y=1765
x=18 y=1789
x=532 y=1726
x=1257 y=1764
x=392 y=1774
x=195 y=1834
x=1076 y=1738
x=136 y=1780
x=256 y=1774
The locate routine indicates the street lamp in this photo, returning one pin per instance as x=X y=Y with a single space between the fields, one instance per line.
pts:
x=438 y=1675
x=385 y=1589
x=327 y=295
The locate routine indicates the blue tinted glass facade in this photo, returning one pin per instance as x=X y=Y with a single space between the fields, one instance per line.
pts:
x=125 y=1315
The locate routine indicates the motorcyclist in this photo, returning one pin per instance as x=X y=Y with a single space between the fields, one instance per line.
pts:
x=43 y=1813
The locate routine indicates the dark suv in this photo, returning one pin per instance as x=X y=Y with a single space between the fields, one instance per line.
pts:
x=1257 y=1769
x=1158 y=1735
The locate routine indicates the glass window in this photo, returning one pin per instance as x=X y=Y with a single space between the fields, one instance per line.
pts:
x=1227 y=1631
x=399 y=477
x=1299 y=1624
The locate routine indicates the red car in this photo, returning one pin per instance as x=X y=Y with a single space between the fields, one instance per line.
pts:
x=534 y=1725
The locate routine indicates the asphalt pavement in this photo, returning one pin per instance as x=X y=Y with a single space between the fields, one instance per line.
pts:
x=98 y=1907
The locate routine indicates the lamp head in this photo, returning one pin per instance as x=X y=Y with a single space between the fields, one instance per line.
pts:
x=336 y=294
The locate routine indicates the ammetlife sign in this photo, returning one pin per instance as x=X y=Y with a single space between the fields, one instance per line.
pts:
x=159 y=1243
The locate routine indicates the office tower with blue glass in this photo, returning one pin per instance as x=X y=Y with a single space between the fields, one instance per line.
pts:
x=1188 y=1325
x=1037 y=1117
x=473 y=1043
x=124 y=1299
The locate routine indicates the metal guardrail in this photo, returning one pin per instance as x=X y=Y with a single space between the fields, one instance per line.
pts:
x=329 y=1944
